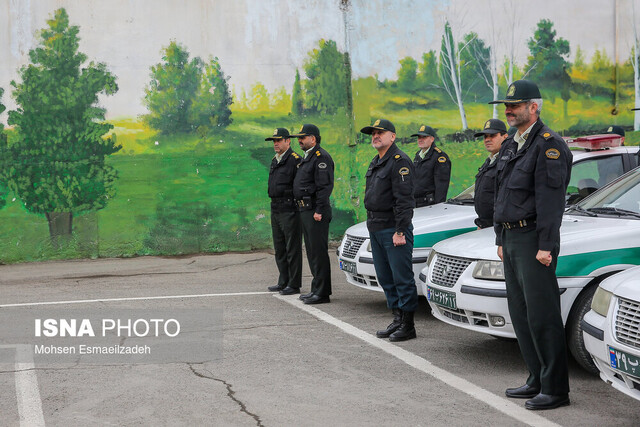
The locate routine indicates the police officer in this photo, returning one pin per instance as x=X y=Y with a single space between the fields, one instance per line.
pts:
x=433 y=169
x=312 y=187
x=389 y=202
x=494 y=133
x=285 y=218
x=532 y=178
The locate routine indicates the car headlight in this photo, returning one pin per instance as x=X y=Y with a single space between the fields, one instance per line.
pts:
x=489 y=270
x=432 y=255
x=369 y=246
x=600 y=302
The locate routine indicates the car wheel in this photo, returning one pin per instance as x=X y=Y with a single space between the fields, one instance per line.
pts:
x=575 y=340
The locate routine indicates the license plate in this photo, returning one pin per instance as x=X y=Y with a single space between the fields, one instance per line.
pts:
x=349 y=267
x=625 y=362
x=443 y=298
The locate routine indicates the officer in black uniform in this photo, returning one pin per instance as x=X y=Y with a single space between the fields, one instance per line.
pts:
x=433 y=169
x=285 y=218
x=532 y=178
x=616 y=130
x=312 y=187
x=389 y=202
x=494 y=133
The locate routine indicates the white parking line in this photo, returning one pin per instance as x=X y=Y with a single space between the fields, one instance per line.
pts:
x=84 y=301
x=501 y=404
x=27 y=391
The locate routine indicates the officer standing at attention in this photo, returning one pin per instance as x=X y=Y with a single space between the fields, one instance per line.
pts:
x=312 y=187
x=389 y=202
x=433 y=169
x=532 y=178
x=285 y=218
x=494 y=133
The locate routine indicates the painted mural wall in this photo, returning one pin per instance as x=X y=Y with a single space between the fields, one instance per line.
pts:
x=133 y=127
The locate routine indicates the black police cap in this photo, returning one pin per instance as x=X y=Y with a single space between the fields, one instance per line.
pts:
x=492 y=126
x=425 y=131
x=615 y=129
x=520 y=91
x=279 y=133
x=307 y=129
x=380 y=124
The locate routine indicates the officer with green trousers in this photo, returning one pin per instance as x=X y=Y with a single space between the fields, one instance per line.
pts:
x=285 y=218
x=312 y=187
x=533 y=172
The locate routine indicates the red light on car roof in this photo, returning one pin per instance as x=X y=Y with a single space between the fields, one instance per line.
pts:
x=596 y=142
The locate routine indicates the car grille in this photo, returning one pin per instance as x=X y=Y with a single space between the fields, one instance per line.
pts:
x=628 y=322
x=447 y=270
x=352 y=246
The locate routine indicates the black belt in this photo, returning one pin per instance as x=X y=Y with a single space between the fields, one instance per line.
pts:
x=283 y=200
x=524 y=223
x=382 y=214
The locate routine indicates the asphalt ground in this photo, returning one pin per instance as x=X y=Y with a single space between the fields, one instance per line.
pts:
x=282 y=364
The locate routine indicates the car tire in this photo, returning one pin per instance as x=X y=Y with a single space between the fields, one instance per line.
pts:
x=575 y=340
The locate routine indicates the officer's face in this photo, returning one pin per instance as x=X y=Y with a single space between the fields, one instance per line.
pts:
x=493 y=142
x=520 y=114
x=382 y=139
x=281 y=145
x=425 y=142
x=307 y=142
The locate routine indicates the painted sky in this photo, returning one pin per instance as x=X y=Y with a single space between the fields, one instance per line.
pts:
x=266 y=40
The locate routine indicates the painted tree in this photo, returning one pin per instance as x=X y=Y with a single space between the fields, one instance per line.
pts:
x=58 y=156
x=4 y=157
x=407 y=74
x=258 y=97
x=210 y=106
x=280 y=100
x=548 y=64
x=427 y=76
x=449 y=70
x=327 y=86
x=172 y=89
x=297 y=99
x=477 y=76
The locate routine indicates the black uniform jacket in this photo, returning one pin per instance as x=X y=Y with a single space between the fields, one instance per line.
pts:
x=485 y=193
x=280 y=186
x=388 y=196
x=314 y=181
x=432 y=176
x=531 y=184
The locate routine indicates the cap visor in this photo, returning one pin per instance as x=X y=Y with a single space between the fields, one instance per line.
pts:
x=507 y=101
x=486 y=132
x=273 y=138
x=298 y=135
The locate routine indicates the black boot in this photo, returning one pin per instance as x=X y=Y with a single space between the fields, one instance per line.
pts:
x=393 y=326
x=407 y=330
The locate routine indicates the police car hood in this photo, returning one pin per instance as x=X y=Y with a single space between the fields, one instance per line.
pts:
x=578 y=234
x=428 y=219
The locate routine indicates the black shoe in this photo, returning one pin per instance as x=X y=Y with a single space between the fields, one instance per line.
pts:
x=289 y=291
x=317 y=299
x=305 y=296
x=547 y=401
x=523 y=392
x=276 y=288
x=407 y=330
x=393 y=326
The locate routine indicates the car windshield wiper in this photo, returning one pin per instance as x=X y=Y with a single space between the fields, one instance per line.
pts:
x=615 y=211
x=580 y=209
x=468 y=201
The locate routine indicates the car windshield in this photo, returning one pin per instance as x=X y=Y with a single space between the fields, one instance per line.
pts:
x=620 y=198
x=464 y=198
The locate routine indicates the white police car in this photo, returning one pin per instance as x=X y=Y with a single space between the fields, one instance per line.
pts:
x=612 y=331
x=597 y=159
x=600 y=236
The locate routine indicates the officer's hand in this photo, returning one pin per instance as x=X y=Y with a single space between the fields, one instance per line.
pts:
x=500 y=253
x=317 y=216
x=544 y=257
x=399 y=240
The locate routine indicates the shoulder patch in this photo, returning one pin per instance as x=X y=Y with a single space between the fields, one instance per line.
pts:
x=403 y=171
x=437 y=149
x=552 y=153
x=322 y=165
x=442 y=159
x=546 y=135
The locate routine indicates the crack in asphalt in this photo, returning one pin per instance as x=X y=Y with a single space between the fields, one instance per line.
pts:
x=103 y=276
x=230 y=393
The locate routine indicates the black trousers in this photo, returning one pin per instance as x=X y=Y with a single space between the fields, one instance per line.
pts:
x=287 y=242
x=534 y=306
x=316 y=242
